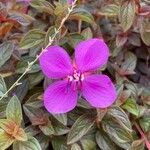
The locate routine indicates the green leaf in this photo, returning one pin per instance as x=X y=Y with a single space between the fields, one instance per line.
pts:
x=42 y=6
x=31 y=144
x=35 y=101
x=75 y=38
x=50 y=33
x=88 y=144
x=60 y=9
x=82 y=14
x=36 y=115
x=138 y=145
x=59 y=128
x=3 y=105
x=145 y=122
x=23 y=19
x=87 y=33
x=129 y=64
x=44 y=141
x=110 y=10
x=47 y=129
x=22 y=90
x=6 y=50
x=75 y=147
x=131 y=106
x=59 y=143
x=35 y=78
x=127 y=14
x=23 y=64
x=121 y=117
x=117 y=133
x=32 y=38
x=5 y=140
x=145 y=32
x=61 y=118
x=3 y=88
x=14 y=110
x=82 y=125
x=121 y=40
x=104 y=141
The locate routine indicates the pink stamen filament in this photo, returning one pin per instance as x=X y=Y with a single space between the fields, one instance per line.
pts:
x=76 y=77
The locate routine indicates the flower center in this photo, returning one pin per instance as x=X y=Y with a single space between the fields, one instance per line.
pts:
x=76 y=76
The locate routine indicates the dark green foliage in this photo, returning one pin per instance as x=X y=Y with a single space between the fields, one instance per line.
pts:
x=26 y=28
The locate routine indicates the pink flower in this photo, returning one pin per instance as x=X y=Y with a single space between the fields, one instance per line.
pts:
x=78 y=77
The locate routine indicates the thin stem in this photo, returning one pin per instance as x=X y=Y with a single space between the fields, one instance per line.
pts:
x=51 y=40
x=143 y=135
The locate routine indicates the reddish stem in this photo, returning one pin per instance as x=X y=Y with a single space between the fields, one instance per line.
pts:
x=143 y=136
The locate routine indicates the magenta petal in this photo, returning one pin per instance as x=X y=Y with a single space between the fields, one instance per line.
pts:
x=55 y=62
x=99 y=91
x=91 y=54
x=60 y=97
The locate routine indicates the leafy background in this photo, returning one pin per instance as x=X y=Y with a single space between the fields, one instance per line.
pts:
x=25 y=29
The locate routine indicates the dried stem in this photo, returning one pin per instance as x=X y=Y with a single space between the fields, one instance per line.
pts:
x=51 y=40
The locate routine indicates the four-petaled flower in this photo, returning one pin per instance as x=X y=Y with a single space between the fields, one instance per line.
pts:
x=77 y=76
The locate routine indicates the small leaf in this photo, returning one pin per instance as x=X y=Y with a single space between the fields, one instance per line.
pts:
x=59 y=143
x=14 y=110
x=131 y=106
x=110 y=10
x=145 y=122
x=137 y=145
x=21 y=135
x=50 y=33
x=6 y=50
x=42 y=6
x=37 y=116
x=82 y=125
x=75 y=38
x=23 y=19
x=121 y=40
x=31 y=144
x=35 y=100
x=23 y=64
x=3 y=88
x=60 y=9
x=117 y=133
x=82 y=14
x=13 y=129
x=22 y=90
x=104 y=141
x=145 y=33
x=127 y=14
x=75 y=147
x=88 y=144
x=35 y=78
x=59 y=128
x=61 y=118
x=32 y=38
x=5 y=140
x=87 y=33
x=121 y=117
x=44 y=141
x=128 y=66
x=47 y=129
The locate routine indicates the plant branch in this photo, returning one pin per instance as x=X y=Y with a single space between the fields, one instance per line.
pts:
x=51 y=40
x=143 y=135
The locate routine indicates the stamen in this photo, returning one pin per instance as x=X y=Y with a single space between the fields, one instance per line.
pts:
x=76 y=77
